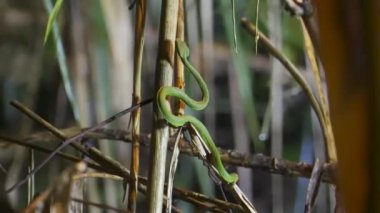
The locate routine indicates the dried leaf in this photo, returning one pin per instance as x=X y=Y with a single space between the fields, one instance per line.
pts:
x=172 y=169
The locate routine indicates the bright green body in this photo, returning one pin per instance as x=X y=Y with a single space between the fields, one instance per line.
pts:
x=177 y=121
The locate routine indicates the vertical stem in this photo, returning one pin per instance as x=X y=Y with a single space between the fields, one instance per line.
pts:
x=310 y=50
x=139 y=46
x=276 y=95
x=163 y=77
x=180 y=74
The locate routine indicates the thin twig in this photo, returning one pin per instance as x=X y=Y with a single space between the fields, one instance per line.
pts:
x=24 y=109
x=203 y=200
x=189 y=196
x=276 y=165
x=310 y=52
x=98 y=205
x=138 y=57
x=293 y=71
x=110 y=173
x=97 y=175
x=266 y=163
x=45 y=150
x=76 y=137
x=230 y=157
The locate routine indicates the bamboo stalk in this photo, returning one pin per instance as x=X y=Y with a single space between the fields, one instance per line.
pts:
x=163 y=77
x=179 y=109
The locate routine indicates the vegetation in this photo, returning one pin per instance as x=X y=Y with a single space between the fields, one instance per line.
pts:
x=82 y=78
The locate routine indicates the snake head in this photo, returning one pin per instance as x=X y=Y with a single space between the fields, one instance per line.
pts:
x=182 y=49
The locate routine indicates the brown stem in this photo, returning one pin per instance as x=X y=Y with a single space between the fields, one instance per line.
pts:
x=179 y=106
x=138 y=56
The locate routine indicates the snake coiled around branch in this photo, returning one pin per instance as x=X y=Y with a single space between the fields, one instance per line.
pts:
x=178 y=121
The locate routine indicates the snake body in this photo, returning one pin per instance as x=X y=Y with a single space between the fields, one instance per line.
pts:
x=178 y=121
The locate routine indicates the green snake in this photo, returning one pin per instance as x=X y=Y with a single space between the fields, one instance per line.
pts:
x=178 y=121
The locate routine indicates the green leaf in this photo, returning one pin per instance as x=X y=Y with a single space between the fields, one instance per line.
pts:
x=53 y=15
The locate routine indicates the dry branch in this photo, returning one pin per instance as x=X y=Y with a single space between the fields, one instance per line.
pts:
x=231 y=157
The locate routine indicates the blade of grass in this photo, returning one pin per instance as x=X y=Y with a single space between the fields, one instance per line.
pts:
x=234 y=25
x=62 y=62
x=31 y=181
x=52 y=17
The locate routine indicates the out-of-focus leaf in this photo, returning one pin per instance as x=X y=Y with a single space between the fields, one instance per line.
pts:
x=245 y=82
x=61 y=56
x=53 y=15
